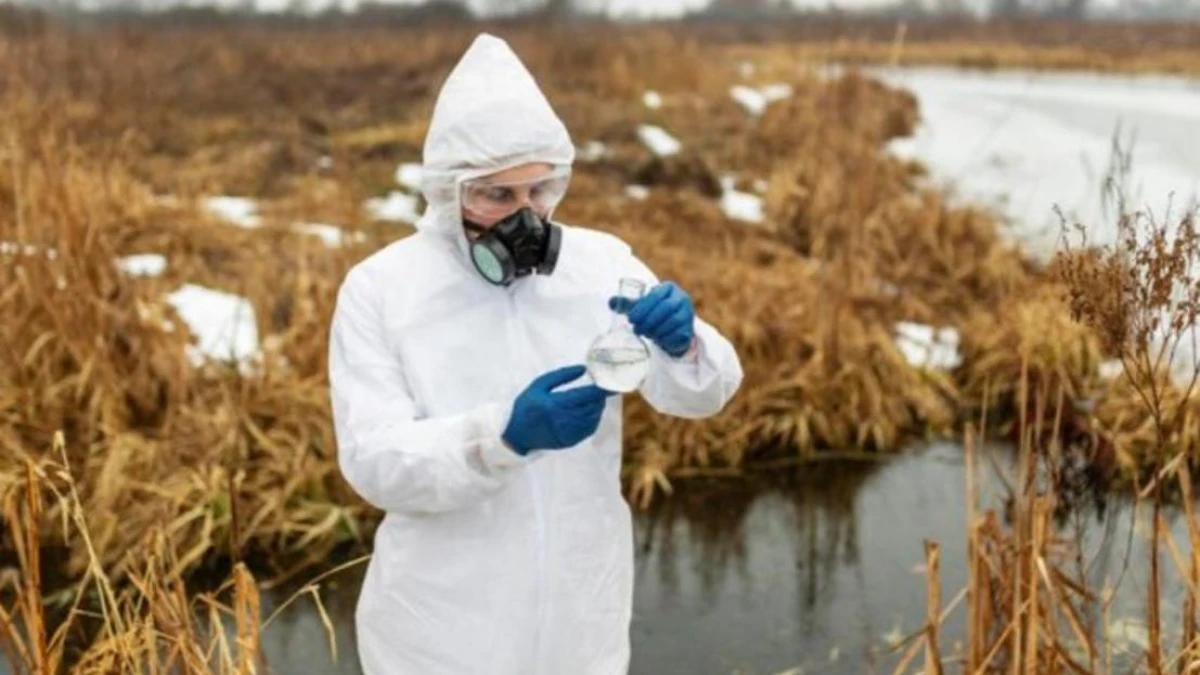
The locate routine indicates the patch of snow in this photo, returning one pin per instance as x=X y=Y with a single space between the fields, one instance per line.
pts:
x=409 y=175
x=750 y=99
x=926 y=347
x=12 y=248
x=332 y=235
x=755 y=101
x=592 y=151
x=143 y=264
x=742 y=206
x=223 y=324
x=1111 y=369
x=776 y=92
x=239 y=211
x=658 y=140
x=396 y=207
x=638 y=192
x=652 y=100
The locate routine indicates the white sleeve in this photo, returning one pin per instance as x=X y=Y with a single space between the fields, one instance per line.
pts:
x=390 y=456
x=697 y=384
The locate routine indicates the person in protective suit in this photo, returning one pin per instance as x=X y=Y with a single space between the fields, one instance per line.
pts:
x=460 y=409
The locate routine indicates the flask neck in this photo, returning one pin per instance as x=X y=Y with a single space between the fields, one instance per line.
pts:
x=619 y=321
x=624 y=303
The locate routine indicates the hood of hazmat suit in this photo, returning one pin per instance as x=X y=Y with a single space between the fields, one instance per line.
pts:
x=488 y=561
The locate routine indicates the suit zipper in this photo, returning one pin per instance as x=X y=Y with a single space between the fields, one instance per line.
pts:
x=519 y=350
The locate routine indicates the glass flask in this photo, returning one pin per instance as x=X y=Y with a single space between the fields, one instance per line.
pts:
x=618 y=360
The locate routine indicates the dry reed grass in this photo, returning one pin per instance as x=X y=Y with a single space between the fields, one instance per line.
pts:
x=252 y=456
x=150 y=624
x=1031 y=606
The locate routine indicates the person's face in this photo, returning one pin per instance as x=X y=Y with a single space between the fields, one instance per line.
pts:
x=492 y=198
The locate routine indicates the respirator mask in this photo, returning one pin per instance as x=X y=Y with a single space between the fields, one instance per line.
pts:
x=522 y=240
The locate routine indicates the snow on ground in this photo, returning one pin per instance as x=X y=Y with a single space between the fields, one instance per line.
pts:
x=749 y=98
x=396 y=207
x=926 y=347
x=409 y=175
x=223 y=324
x=755 y=101
x=742 y=206
x=143 y=264
x=238 y=211
x=658 y=140
x=638 y=192
x=332 y=235
x=592 y=151
x=1111 y=369
x=12 y=248
x=776 y=92
x=738 y=205
x=652 y=100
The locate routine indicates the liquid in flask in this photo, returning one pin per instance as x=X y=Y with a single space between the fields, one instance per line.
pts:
x=619 y=360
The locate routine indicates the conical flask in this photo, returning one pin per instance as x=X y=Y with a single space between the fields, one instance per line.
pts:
x=618 y=360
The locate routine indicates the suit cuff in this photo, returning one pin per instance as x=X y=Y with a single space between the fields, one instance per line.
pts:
x=691 y=370
x=495 y=453
x=692 y=355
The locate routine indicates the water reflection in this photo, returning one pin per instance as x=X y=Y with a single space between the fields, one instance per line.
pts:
x=810 y=569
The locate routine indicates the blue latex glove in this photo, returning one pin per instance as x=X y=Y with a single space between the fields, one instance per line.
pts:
x=544 y=419
x=665 y=315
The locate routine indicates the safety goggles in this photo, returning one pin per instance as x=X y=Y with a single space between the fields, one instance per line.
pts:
x=490 y=198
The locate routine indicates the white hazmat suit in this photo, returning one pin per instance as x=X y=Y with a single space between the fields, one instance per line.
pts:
x=488 y=561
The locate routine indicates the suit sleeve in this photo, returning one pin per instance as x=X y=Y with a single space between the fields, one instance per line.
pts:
x=701 y=382
x=389 y=454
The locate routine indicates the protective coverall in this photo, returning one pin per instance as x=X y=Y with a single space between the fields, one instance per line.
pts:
x=488 y=561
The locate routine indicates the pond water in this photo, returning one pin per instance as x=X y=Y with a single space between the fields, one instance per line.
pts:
x=816 y=570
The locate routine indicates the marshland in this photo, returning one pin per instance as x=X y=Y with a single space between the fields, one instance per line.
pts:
x=956 y=259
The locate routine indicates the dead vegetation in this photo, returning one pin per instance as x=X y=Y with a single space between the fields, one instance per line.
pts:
x=1030 y=605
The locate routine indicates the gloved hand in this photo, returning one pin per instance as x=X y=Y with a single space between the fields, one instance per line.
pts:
x=544 y=419
x=665 y=315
